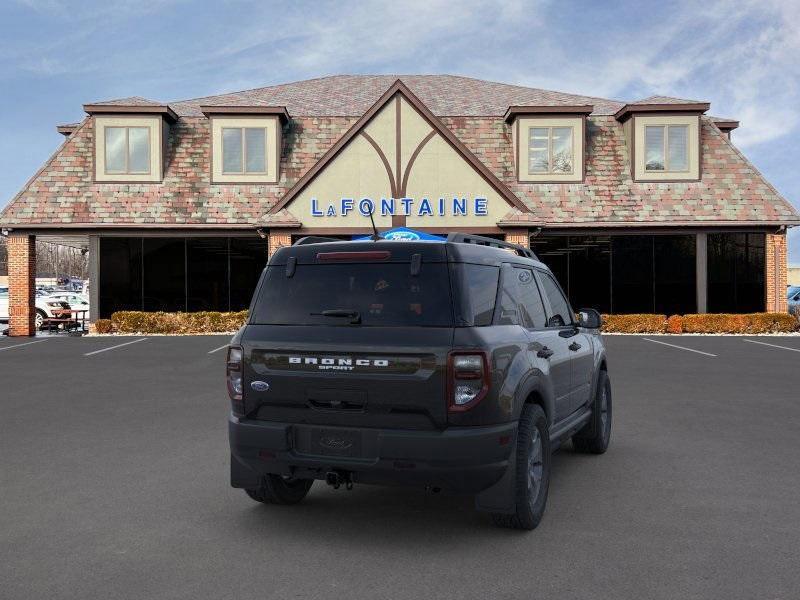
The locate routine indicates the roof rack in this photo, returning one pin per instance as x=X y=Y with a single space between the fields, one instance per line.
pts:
x=314 y=239
x=466 y=238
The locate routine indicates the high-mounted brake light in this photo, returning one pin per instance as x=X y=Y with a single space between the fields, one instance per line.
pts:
x=233 y=373
x=467 y=379
x=368 y=255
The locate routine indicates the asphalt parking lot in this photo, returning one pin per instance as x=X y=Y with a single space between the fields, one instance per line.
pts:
x=114 y=484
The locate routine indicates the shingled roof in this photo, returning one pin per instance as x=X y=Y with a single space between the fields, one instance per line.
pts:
x=352 y=95
x=731 y=191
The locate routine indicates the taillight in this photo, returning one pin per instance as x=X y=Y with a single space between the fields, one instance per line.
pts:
x=468 y=379
x=233 y=372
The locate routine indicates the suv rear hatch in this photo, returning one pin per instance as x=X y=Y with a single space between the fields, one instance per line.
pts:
x=351 y=334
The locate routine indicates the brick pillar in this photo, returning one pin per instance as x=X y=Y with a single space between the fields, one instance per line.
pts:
x=776 y=271
x=21 y=284
x=520 y=237
x=278 y=239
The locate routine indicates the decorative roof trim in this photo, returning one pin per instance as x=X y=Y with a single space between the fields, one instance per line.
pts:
x=67 y=130
x=131 y=109
x=398 y=87
x=280 y=111
x=629 y=109
x=725 y=124
x=579 y=109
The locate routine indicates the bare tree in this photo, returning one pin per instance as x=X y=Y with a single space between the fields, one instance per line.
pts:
x=52 y=260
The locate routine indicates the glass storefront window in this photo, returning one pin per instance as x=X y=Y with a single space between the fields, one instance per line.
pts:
x=179 y=274
x=120 y=274
x=736 y=272
x=624 y=274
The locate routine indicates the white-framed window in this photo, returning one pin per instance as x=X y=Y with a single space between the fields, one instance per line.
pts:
x=666 y=148
x=127 y=150
x=550 y=150
x=244 y=150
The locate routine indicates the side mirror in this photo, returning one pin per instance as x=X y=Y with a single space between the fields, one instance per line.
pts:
x=589 y=318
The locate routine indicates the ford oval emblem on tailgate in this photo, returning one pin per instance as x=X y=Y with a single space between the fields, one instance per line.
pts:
x=260 y=386
x=335 y=443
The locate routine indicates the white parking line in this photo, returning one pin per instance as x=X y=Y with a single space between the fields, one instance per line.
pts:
x=114 y=347
x=20 y=345
x=680 y=347
x=218 y=349
x=771 y=345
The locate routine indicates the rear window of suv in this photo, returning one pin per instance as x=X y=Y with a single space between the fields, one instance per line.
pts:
x=383 y=295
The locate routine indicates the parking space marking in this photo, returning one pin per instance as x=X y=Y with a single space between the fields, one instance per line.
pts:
x=772 y=345
x=115 y=347
x=681 y=347
x=20 y=345
x=218 y=349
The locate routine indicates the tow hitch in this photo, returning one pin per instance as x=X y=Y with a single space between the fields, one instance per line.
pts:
x=339 y=478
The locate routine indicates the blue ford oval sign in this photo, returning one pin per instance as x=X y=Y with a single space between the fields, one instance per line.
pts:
x=403 y=236
x=260 y=386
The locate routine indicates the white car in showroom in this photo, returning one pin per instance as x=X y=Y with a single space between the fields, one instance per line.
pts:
x=47 y=307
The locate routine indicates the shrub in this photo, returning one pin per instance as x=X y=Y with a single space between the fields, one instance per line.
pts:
x=634 y=323
x=675 y=324
x=747 y=323
x=163 y=322
x=103 y=326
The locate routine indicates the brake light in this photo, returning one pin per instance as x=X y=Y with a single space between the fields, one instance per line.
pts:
x=369 y=255
x=468 y=379
x=233 y=374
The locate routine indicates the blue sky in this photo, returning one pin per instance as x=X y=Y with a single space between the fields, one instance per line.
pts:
x=56 y=55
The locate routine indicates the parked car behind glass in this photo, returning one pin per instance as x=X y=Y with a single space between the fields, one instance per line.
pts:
x=793 y=295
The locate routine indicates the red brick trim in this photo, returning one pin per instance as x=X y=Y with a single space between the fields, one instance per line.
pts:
x=21 y=284
x=776 y=273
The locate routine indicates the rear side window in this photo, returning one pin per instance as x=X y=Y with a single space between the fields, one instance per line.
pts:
x=383 y=295
x=476 y=287
x=561 y=313
x=521 y=301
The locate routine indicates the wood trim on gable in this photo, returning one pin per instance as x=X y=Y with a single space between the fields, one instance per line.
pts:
x=398 y=87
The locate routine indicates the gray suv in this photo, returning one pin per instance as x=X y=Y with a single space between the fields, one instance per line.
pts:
x=454 y=365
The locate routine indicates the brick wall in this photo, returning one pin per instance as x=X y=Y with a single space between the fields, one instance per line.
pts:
x=278 y=239
x=776 y=273
x=21 y=284
x=519 y=237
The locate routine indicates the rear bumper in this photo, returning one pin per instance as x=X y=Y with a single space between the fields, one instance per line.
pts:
x=464 y=459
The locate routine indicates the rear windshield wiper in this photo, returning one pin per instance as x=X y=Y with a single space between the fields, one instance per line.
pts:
x=345 y=313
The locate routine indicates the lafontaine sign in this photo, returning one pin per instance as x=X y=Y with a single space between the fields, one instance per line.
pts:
x=422 y=207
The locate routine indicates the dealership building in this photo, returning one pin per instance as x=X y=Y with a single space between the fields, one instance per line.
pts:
x=640 y=206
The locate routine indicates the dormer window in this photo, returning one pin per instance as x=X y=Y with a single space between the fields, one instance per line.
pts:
x=130 y=140
x=127 y=150
x=550 y=150
x=244 y=150
x=245 y=143
x=666 y=148
x=548 y=142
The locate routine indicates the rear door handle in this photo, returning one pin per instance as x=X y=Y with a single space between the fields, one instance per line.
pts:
x=545 y=352
x=574 y=346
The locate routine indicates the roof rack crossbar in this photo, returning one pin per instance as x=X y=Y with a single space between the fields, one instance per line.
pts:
x=314 y=239
x=466 y=238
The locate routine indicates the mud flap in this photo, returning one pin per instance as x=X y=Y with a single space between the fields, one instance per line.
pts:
x=243 y=476
x=500 y=498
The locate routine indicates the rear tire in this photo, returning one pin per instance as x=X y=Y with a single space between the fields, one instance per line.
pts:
x=596 y=434
x=532 y=480
x=39 y=318
x=274 y=489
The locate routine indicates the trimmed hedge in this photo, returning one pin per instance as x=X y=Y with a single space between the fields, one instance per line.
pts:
x=748 y=323
x=708 y=323
x=634 y=323
x=163 y=322
x=103 y=326
x=223 y=322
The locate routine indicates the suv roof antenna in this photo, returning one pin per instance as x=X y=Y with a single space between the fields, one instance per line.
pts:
x=375 y=236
